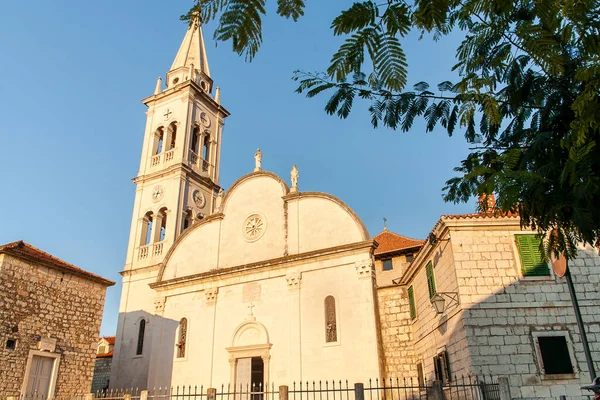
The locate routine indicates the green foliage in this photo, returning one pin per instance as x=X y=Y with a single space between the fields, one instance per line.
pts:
x=527 y=98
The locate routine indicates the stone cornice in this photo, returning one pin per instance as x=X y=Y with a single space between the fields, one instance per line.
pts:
x=178 y=167
x=135 y=271
x=196 y=278
x=194 y=89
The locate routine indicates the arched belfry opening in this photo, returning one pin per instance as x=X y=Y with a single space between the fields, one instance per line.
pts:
x=249 y=357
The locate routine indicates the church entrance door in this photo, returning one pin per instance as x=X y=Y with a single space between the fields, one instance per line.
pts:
x=250 y=377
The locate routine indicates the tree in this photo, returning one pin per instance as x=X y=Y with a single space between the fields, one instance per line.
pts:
x=528 y=98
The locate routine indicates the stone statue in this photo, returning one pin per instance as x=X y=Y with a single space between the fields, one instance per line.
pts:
x=294 y=177
x=219 y=201
x=257 y=160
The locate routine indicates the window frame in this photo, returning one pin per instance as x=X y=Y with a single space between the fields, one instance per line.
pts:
x=391 y=263
x=430 y=275
x=412 y=303
x=187 y=342
x=337 y=342
x=441 y=367
x=140 y=352
x=540 y=361
x=519 y=258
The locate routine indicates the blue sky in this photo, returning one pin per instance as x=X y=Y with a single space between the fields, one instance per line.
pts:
x=74 y=73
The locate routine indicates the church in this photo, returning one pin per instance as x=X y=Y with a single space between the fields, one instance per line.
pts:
x=263 y=282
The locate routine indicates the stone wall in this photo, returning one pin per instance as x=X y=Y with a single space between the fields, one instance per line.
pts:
x=37 y=301
x=504 y=311
x=396 y=333
x=101 y=374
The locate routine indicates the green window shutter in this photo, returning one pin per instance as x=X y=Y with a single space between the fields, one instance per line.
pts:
x=532 y=260
x=430 y=279
x=411 y=301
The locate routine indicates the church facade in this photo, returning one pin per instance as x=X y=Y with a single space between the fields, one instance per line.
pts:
x=266 y=283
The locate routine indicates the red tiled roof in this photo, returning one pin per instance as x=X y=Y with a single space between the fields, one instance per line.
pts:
x=489 y=214
x=389 y=241
x=21 y=249
x=109 y=339
x=109 y=354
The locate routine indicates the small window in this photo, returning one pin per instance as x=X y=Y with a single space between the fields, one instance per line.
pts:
x=420 y=375
x=441 y=366
x=11 y=344
x=330 y=320
x=411 y=301
x=555 y=355
x=140 y=343
x=410 y=257
x=430 y=279
x=387 y=265
x=102 y=349
x=532 y=260
x=182 y=338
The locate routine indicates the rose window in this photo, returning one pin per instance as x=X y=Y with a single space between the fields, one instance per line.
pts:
x=254 y=227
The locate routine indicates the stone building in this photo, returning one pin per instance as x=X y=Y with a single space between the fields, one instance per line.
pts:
x=104 y=355
x=264 y=283
x=50 y=315
x=505 y=312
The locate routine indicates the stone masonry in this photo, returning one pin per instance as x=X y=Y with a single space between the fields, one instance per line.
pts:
x=39 y=301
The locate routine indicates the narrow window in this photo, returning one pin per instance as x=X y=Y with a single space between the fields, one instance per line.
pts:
x=146 y=237
x=532 y=260
x=442 y=367
x=159 y=136
x=556 y=358
x=187 y=219
x=410 y=257
x=172 y=135
x=206 y=147
x=163 y=228
x=140 y=342
x=411 y=302
x=420 y=375
x=195 y=136
x=330 y=320
x=430 y=279
x=387 y=265
x=182 y=338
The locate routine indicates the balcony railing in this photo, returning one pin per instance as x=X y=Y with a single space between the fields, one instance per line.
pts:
x=155 y=160
x=169 y=155
x=150 y=250
x=199 y=164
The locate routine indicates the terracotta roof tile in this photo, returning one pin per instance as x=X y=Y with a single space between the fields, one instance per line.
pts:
x=104 y=355
x=24 y=250
x=490 y=214
x=389 y=241
x=109 y=339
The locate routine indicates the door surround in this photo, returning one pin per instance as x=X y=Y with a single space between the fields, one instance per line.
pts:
x=250 y=339
x=53 y=375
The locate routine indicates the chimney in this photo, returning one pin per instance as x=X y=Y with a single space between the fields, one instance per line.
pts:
x=487 y=203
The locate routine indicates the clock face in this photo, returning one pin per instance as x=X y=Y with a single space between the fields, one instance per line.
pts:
x=158 y=193
x=198 y=198
x=205 y=119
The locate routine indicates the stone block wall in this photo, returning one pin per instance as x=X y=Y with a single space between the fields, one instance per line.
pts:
x=39 y=302
x=396 y=333
x=101 y=374
x=504 y=311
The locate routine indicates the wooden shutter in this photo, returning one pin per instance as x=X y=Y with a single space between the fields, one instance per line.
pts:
x=430 y=279
x=532 y=260
x=420 y=375
x=445 y=366
x=411 y=302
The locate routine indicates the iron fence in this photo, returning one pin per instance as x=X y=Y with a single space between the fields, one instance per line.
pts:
x=458 y=388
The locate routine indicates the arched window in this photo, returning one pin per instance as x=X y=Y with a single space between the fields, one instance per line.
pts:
x=195 y=139
x=146 y=236
x=163 y=224
x=181 y=341
x=206 y=147
x=172 y=135
x=140 y=342
x=159 y=137
x=330 y=320
x=188 y=219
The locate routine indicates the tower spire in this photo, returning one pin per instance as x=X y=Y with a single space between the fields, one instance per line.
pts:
x=192 y=50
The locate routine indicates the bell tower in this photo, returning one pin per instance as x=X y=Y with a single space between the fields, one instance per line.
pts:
x=178 y=178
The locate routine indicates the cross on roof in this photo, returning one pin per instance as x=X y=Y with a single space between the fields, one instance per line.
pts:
x=384 y=223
